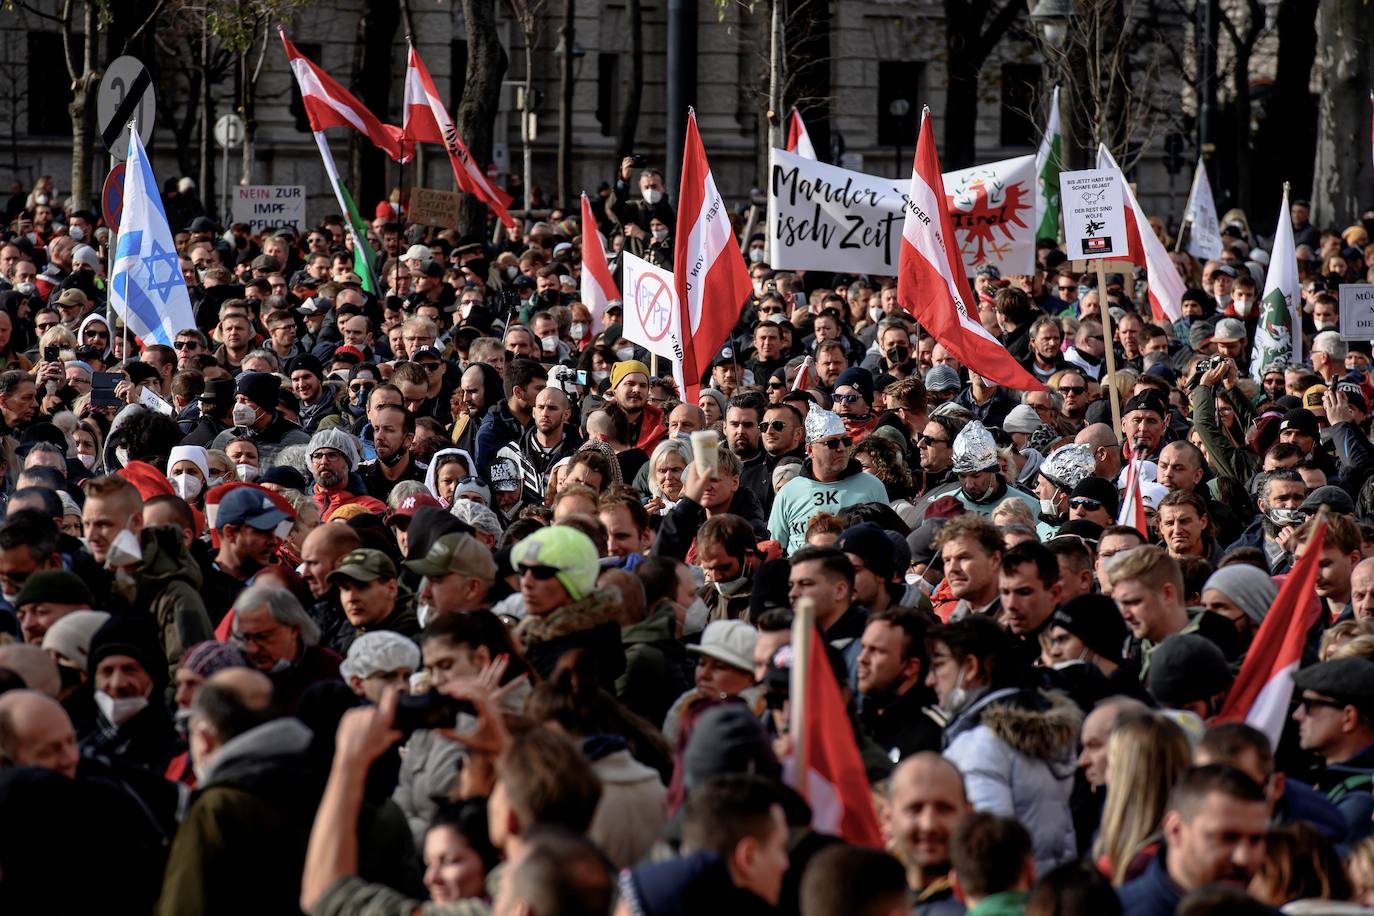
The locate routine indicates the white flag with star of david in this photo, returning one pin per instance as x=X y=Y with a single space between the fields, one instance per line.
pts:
x=147 y=290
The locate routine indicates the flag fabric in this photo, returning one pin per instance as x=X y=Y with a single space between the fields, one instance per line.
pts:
x=1264 y=686
x=598 y=287
x=1277 y=335
x=362 y=264
x=806 y=374
x=1132 y=512
x=147 y=290
x=931 y=283
x=836 y=784
x=427 y=121
x=1049 y=163
x=1164 y=285
x=1204 y=229
x=798 y=140
x=327 y=104
x=709 y=273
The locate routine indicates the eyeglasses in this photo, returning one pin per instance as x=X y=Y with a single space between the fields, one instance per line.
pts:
x=542 y=573
x=845 y=398
x=930 y=440
x=432 y=367
x=1084 y=502
x=833 y=444
x=1308 y=702
x=327 y=455
x=773 y=426
x=360 y=387
x=104 y=334
x=1073 y=389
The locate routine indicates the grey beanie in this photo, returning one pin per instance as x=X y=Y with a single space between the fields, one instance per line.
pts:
x=340 y=441
x=1248 y=586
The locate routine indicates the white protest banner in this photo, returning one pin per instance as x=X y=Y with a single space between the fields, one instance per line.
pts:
x=1357 y=311
x=1094 y=215
x=822 y=217
x=270 y=206
x=651 y=315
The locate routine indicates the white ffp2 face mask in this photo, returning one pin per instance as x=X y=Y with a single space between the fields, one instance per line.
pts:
x=187 y=485
x=244 y=415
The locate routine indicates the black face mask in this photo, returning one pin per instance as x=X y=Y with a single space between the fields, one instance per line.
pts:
x=394 y=459
x=898 y=356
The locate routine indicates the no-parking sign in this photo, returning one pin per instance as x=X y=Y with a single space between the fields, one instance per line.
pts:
x=112 y=196
x=651 y=314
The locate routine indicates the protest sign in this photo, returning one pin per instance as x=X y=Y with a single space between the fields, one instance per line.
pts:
x=651 y=315
x=827 y=218
x=1357 y=311
x=1094 y=216
x=270 y=206
x=429 y=207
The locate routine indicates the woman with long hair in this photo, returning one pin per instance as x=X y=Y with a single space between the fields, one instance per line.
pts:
x=1146 y=754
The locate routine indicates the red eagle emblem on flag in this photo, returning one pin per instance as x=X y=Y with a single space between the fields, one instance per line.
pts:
x=986 y=212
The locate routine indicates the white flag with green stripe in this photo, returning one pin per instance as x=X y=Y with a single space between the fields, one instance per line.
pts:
x=1278 y=336
x=1049 y=162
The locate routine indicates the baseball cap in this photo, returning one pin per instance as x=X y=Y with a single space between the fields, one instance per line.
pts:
x=249 y=506
x=363 y=565
x=1229 y=329
x=459 y=553
x=505 y=478
x=728 y=641
x=400 y=516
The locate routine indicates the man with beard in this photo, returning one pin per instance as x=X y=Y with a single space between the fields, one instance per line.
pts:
x=979 y=484
x=509 y=419
x=1280 y=496
x=393 y=436
x=742 y=434
x=630 y=389
x=480 y=388
x=549 y=439
x=927 y=802
x=935 y=451
x=318 y=399
x=1073 y=392
x=333 y=456
x=280 y=639
x=1045 y=357
x=247 y=522
x=894 y=355
x=892 y=667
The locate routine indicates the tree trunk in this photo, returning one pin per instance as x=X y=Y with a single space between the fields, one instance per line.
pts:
x=1240 y=133
x=83 y=85
x=481 y=97
x=1342 y=178
x=809 y=59
x=961 y=90
x=1288 y=135
x=565 y=105
x=634 y=93
x=376 y=34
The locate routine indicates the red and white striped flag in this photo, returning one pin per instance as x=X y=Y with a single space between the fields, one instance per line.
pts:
x=708 y=268
x=798 y=140
x=931 y=283
x=327 y=104
x=427 y=121
x=1264 y=686
x=806 y=375
x=1164 y=285
x=598 y=287
x=1132 y=505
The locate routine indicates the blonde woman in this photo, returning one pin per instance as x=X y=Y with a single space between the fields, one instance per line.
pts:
x=1146 y=754
x=1013 y=511
x=667 y=469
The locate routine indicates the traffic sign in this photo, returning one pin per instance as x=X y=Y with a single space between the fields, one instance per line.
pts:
x=112 y=196
x=229 y=131
x=125 y=94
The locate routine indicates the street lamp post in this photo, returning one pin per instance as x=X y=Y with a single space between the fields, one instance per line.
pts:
x=569 y=64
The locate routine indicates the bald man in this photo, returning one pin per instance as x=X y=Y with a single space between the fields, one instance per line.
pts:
x=34 y=665
x=1106 y=450
x=321 y=552
x=35 y=731
x=927 y=802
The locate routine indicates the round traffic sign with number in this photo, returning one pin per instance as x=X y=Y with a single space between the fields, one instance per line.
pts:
x=125 y=94
x=112 y=196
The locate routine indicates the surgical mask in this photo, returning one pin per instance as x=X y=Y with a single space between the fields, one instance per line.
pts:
x=1326 y=325
x=875 y=314
x=898 y=355
x=244 y=415
x=1047 y=507
x=549 y=343
x=181 y=721
x=695 y=618
x=1243 y=308
x=733 y=587
x=1083 y=290
x=652 y=196
x=119 y=711
x=279 y=666
x=1286 y=518
x=216 y=481
x=1224 y=299
x=247 y=473
x=394 y=459
x=200 y=274
x=465 y=308
x=124 y=550
x=578 y=330
x=422 y=613
x=755 y=255
x=122 y=455
x=660 y=234
x=76 y=233
x=758 y=287
x=624 y=353
x=512 y=272
x=600 y=375
x=87 y=460
x=41 y=199
x=187 y=485
x=25 y=289
x=957 y=699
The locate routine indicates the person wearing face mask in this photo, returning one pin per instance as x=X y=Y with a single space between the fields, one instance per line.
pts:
x=393 y=433
x=127 y=670
x=659 y=250
x=1059 y=474
x=254 y=416
x=188 y=471
x=632 y=211
x=978 y=482
x=1016 y=745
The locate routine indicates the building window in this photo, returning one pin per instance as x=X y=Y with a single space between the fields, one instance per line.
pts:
x=899 y=92
x=50 y=91
x=311 y=51
x=608 y=92
x=458 y=75
x=1020 y=88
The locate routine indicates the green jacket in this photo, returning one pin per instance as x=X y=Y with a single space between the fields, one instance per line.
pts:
x=1007 y=903
x=1225 y=457
x=656 y=665
x=168 y=584
x=352 y=896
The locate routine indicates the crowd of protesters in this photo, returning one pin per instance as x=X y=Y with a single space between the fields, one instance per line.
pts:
x=426 y=599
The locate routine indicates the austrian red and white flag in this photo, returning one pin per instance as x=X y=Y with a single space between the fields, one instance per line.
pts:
x=1264 y=687
x=836 y=785
x=598 y=287
x=1132 y=512
x=798 y=140
x=806 y=375
x=931 y=283
x=1164 y=285
x=708 y=268
x=327 y=104
x=427 y=121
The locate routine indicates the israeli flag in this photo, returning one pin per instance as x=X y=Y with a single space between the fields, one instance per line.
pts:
x=146 y=287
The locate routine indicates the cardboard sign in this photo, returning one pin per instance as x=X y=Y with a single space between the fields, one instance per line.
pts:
x=822 y=217
x=270 y=206
x=429 y=207
x=1357 y=311
x=651 y=315
x=1094 y=214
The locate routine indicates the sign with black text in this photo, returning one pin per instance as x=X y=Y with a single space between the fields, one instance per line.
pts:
x=270 y=206
x=1357 y=311
x=1094 y=214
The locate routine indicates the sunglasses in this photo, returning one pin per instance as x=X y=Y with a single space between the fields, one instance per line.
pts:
x=47 y=327
x=1068 y=289
x=105 y=334
x=1073 y=389
x=930 y=440
x=834 y=444
x=776 y=385
x=432 y=367
x=186 y=344
x=542 y=573
x=357 y=388
x=773 y=426
x=1083 y=502
x=845 y=398
x=1308 y=702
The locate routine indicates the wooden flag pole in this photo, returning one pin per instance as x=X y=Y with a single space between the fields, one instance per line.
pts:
x=803 y=632
x=1110 y=350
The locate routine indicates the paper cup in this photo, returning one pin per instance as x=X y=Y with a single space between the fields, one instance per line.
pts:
x=706 y=450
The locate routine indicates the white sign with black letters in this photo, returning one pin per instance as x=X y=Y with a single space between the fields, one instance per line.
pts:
x=1357 y=311
x=1094 y=214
